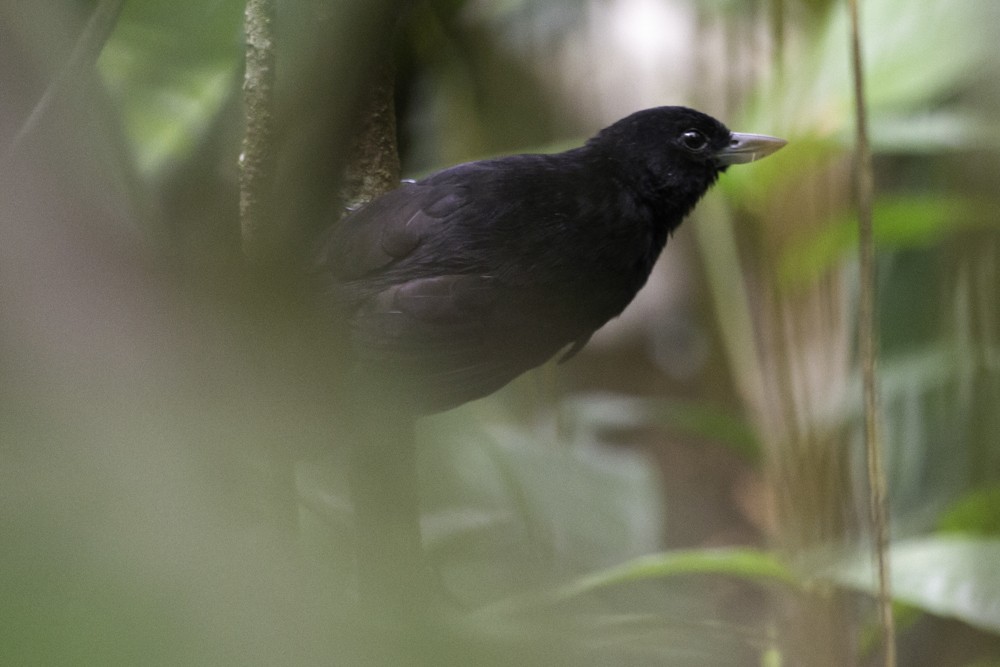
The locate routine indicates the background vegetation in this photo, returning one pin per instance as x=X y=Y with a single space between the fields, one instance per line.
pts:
x=688 y=491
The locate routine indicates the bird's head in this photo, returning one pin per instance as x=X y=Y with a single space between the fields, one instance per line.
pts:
x=677 y=152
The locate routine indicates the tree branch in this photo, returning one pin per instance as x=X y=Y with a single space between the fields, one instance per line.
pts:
x=373 y=164
x=257 y=158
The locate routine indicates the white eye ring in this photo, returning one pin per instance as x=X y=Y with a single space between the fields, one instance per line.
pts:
x=693 y=140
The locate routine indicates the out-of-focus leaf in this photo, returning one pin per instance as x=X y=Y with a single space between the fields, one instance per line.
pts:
x=538 y=505
x=679 y=636
x=914 y=56
x=750 y=564
x=932 y=132
x=977 y=513
x=900 y=222
x=914 y=59
x=171 y=66
x=592 y=504
x=926 y=427
x=639 y=640
x=600 y=413
x=752 y=188
x=946 y=576
x=521 y=19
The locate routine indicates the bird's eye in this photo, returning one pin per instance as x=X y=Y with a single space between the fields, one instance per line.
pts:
x=693 y=140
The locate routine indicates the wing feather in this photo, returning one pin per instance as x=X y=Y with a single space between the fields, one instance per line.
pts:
x=434 y=327
x=387 y=230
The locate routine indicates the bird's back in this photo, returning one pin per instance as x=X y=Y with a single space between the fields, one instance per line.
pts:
x=459 y=283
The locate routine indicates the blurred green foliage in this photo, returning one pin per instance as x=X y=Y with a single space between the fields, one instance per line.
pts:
x=170 y=67
x=142 y=399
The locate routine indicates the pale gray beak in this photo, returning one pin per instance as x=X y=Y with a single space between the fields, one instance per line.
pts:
x=745 y=148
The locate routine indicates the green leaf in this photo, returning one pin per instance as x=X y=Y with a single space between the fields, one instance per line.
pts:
x=511 y=508
x=171 y=66
x=951 y=577
x=750 y=564
x=977 y=513
x=899 y=222
x=602 y=412
x=914 y=61
x=932 y=132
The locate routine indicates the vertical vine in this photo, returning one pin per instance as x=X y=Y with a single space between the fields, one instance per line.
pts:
x=257 y=157
x=867 y=343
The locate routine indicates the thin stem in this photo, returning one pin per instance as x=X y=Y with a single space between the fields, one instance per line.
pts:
x=867 y=344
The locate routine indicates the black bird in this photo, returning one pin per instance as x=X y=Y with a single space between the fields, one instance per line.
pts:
x=455 y=284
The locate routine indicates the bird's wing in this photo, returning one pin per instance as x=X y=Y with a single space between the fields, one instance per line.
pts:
x=387 y=229
x=449 y=338
x=445 y=328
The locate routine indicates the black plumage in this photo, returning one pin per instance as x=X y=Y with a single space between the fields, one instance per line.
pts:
x=455 y=284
